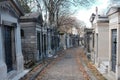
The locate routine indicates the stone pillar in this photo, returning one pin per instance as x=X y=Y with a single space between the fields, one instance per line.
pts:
x=19 y=56
x=118 y=72
x=43 y=54
x=96 y=48
x=109 y=67
x=68 y=43
x=64 y=37
x=62 y=41
x=49 y=44
x=118 y=55
x=3 y=67
x=71 y=42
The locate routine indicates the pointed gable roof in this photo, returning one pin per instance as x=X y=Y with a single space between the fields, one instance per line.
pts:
x=12 y=6
x=113 y=10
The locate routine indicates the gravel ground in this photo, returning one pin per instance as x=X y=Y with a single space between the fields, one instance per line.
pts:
x=65 y=69
x=70 y=64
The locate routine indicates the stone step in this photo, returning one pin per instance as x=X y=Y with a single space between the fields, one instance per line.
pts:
x=103 y=67
x=102 y=71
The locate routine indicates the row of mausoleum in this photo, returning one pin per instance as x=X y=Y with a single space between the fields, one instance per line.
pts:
x=102 y=42
x=25 y=39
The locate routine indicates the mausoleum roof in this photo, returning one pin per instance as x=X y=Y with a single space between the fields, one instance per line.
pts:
x=12 y=5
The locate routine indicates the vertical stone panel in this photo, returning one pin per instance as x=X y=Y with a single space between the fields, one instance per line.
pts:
x=29 y=43
x=3 y=67
x=19 y=56
x=118 y=56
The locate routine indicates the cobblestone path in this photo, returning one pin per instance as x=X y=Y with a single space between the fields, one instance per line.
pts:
x=65 y=69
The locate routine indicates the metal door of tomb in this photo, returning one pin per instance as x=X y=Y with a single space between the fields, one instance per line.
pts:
x=8 y=47
x=114 y=49
x=39 y=44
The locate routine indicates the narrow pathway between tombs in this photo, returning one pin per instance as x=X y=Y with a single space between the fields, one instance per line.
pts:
x=68 y=68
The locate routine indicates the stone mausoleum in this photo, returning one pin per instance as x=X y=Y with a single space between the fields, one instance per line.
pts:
x=11 y=59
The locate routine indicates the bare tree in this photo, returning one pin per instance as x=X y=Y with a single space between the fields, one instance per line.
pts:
x=25 y=6
x=67 y=23
x=56 y=7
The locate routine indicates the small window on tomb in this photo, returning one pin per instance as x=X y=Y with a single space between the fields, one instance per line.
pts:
x=22 y=33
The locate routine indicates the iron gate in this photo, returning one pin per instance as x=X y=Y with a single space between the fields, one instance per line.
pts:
x=114 y=49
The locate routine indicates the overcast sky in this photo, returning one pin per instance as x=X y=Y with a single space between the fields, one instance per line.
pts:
x=84 y=14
